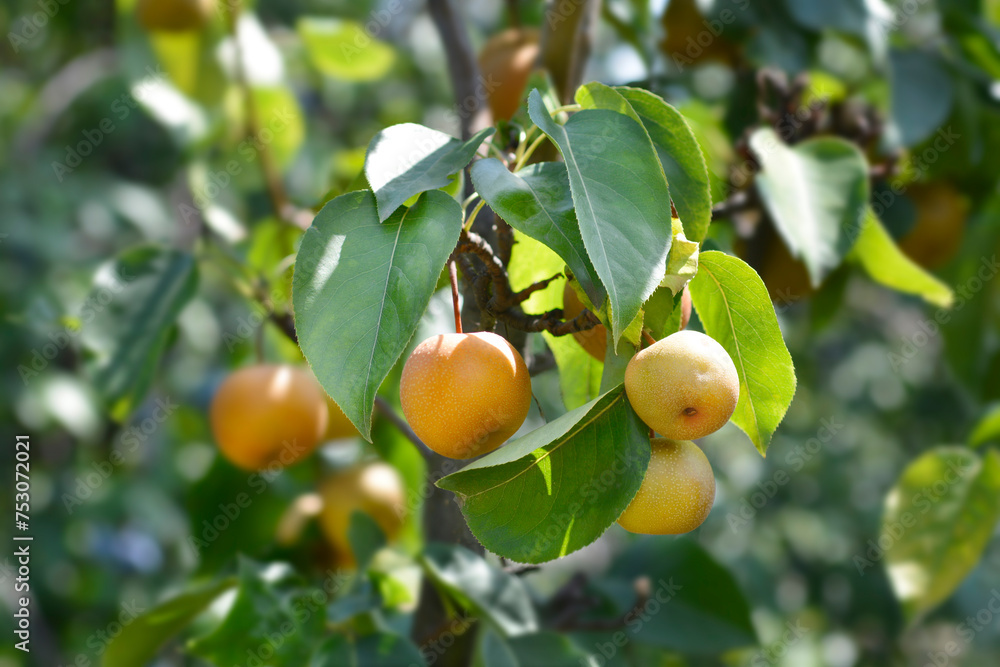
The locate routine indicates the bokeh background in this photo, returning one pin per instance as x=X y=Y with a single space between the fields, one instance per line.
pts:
x=112 y=136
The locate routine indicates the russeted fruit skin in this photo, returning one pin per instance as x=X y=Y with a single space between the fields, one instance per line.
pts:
x=677 y=492
x=505 y=63
x=684 y=386
x=465 y=394
x=174 y=15
x=269 y=414
x=595 y=340
x=338 y=425
x=940 y=226
x=373 y=488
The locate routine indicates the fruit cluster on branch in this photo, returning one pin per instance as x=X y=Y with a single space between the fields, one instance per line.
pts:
x=496 y=299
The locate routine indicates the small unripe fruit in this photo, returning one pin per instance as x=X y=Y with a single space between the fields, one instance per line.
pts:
x=685 y=309
x=338 y=425
x=465 y=394
x=505 y=64
x=268 y=414
x=174 y=15
x=375 y=489
x=677 y=492
x=595 y=340
x=684 y=386
x=939 y=229
x=786 y=277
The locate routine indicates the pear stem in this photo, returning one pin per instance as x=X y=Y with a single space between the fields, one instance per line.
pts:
x=453 y=275
x=649 y=339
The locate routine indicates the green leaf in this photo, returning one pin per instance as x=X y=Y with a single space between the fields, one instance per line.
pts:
x=662 y=313
x=537 y=201
x=923 y=93
x=407 y=159
x=938 y=519
x=866 y=19
x=494 y=651
x=885 y=263
x=579 y=373
x=735 y=310
x=485 y=590
x=282 y=125
x=269 y=603
x=815 y=192
x=360 y=287
x=343 y=50
x=366 y=538
x=550 y=649
x=140 y=640
x=987 y=429
x=700 y=609
x=680 y=156
x=682 y=262
x=620 y=195
x=128 y=319
x=379 y=649
x=543 y=496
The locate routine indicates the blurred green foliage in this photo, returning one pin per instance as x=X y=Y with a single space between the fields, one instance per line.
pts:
x=111 y=138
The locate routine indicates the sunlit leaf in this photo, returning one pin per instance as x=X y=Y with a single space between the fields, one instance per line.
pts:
x=885 y=263
x=547 y=493
x=537 y=201
x=481 y=588
x=579 y=373
x=407 y=159
x=269 y=602
x=938 y=519
x=280 y=124
x=128 y=318
x=620 y=195
x=815 y=192
x=140 y=640
x=987 y=429
x=676 y=147
x=360 y=287
x=344 y=50
x=735 y=310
